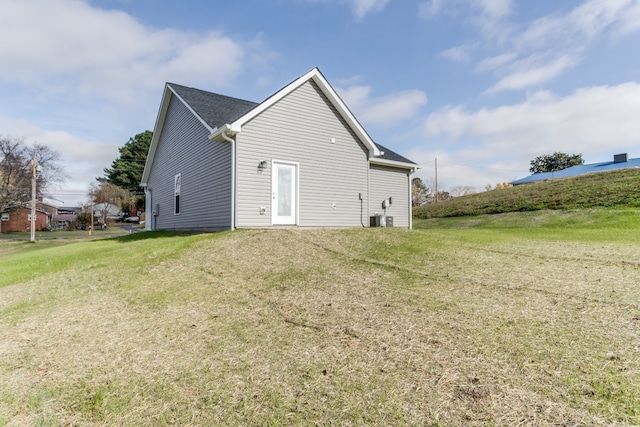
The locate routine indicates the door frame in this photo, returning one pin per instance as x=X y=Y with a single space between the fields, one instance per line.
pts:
x=296 y=192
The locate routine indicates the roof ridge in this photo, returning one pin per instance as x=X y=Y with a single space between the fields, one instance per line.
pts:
x=210 y=93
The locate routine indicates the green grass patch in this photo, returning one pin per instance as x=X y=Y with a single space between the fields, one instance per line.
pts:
x=616 y=189
x=484 y=323
x=584 y=224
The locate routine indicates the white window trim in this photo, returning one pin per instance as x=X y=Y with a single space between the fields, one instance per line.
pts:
x=177 y=190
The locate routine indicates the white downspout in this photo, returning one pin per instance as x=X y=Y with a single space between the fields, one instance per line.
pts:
x=410 y=200
x=148 y=203
x=232 y=141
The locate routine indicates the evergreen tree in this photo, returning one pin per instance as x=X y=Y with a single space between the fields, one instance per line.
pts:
x=555 y=162
x=126 y=170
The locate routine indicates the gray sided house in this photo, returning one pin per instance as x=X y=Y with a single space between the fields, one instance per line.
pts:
x=299 y=158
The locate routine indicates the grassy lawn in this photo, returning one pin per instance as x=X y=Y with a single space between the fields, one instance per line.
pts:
x=605 y=189
x=528 y=319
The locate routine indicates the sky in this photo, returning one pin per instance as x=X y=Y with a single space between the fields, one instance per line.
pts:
x=483 y=86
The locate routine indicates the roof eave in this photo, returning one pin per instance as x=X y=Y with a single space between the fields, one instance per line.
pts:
x=394 y=163
x=228 y=129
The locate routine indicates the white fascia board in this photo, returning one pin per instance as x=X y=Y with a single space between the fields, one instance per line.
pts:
x=329 y=92
x=209 y=128
x=216 y=133
x=162 y=114
x=395 y=164
x=227 y=129
x=169 y=92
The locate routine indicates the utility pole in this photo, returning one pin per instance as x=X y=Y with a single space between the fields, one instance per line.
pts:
x=91 y=226
x=436 y=180
x=33 y=200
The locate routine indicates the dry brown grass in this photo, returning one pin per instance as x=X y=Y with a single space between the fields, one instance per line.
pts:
x=329 y=327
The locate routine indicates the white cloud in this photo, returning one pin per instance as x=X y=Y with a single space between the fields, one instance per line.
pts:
x=555 y=43
x=383 y=111
x=364 y=7
x=495 y=8
x=589 y=121
x=576 y=28
x=492 y=145
x=456 y=168
x=429 y=9
x=492 y=15
x=496 y=62
x=98 y=75
x=458 y=54
x=630 y=21
x=105 y=52
x=544 y=49
x=487 y=13
x=532 y=71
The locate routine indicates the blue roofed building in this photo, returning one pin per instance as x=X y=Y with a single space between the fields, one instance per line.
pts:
x=620 y=161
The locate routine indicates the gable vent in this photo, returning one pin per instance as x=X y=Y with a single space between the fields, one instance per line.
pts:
x=620 y=158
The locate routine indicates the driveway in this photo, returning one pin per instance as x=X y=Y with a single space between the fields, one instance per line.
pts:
x=130 y=228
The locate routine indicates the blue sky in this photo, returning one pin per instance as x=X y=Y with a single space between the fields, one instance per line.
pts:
x=484 y=86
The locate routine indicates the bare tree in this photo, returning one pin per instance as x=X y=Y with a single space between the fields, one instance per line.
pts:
x=420 y=192
x=16 y=171
x=461 y=190
x=104 y=195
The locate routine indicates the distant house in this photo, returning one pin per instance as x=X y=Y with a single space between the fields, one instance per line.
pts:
x=63 y=221
x=620 y=161
x=299 y=158
x=19 y=218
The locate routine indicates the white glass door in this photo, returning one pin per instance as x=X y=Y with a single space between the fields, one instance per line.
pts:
x=284 y=198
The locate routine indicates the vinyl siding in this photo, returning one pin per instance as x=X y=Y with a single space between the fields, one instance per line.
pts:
x=205 y=168
x=385 y=182
x=299 y=129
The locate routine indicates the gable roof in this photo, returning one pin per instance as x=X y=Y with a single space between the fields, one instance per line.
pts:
x=579 y=170
x=214 y=109
x=224 y=117
x=233 y=127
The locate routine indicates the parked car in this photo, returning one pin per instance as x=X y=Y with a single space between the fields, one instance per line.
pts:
x=134 y=219
x=117 y=218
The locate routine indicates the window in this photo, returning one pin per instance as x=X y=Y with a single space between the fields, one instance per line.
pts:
x=177 y=185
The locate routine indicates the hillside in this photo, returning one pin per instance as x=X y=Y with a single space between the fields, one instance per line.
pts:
x=607 y=189
x=324 y=327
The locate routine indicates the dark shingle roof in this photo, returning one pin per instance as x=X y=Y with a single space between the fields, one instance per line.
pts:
x=217 y=110
x=392 y=155
x=214 y=109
